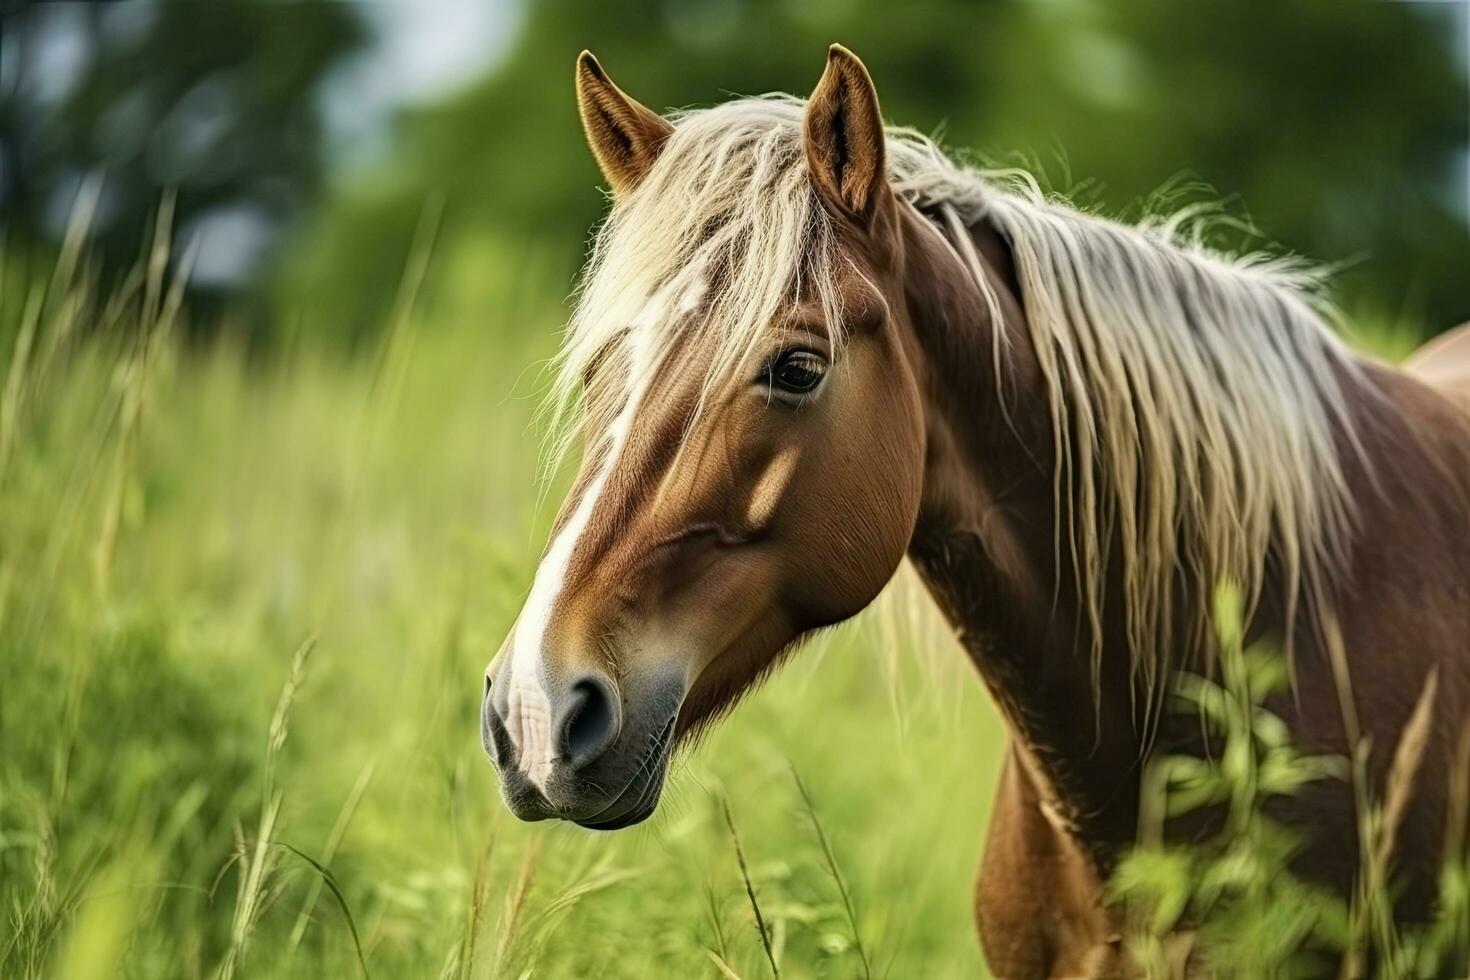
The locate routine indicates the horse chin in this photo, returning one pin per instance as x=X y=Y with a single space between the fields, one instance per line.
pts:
x=629 y=819
x=636 y=803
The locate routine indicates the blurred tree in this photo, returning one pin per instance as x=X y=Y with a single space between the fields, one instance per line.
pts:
x=1338 y=127
x=213 y=100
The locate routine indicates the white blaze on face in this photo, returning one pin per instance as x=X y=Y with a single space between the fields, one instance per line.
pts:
x=529 y=708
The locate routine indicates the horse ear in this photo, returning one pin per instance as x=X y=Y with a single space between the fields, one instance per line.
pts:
x=844 y=136
x=625 y=135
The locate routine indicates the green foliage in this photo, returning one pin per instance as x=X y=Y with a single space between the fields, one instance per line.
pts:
x=1230 y=905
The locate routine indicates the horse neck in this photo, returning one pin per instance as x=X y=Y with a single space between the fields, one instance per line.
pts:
x=985 y=542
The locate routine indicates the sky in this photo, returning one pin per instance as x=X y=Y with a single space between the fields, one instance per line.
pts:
x=421 y=50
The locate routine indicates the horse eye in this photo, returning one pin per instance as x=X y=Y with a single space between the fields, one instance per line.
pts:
x=796 y=372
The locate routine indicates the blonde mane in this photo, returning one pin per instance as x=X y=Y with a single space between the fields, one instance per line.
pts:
x=1196 y=398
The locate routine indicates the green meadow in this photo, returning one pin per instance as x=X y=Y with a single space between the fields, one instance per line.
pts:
x=246 y=599
x=247 y=594
x=260 y=536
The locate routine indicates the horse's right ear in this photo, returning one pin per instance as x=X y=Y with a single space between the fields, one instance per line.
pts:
x=844 y=137
x=625 y=135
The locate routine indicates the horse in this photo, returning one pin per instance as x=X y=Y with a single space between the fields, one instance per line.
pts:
x=807 y=346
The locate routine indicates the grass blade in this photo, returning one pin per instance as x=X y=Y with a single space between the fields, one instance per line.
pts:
x=835 y=872
x=334 y=841
x=325 y=876
x=725 y=969
x=755 y=905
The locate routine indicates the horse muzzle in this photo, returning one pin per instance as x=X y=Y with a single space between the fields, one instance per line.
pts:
x=584 y=755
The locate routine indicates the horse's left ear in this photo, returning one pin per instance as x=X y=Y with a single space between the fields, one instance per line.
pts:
x=625 y=135
x=844 y=137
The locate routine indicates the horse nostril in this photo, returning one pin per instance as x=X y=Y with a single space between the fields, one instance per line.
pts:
x=592 y=723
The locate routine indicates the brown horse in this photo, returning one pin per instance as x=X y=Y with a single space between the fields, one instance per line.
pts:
x=807 y=347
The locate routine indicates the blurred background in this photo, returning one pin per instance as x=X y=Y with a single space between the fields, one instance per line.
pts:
x=276 y=280
x=305 y=139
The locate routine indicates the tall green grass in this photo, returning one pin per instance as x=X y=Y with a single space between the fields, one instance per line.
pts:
x=245 y=602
